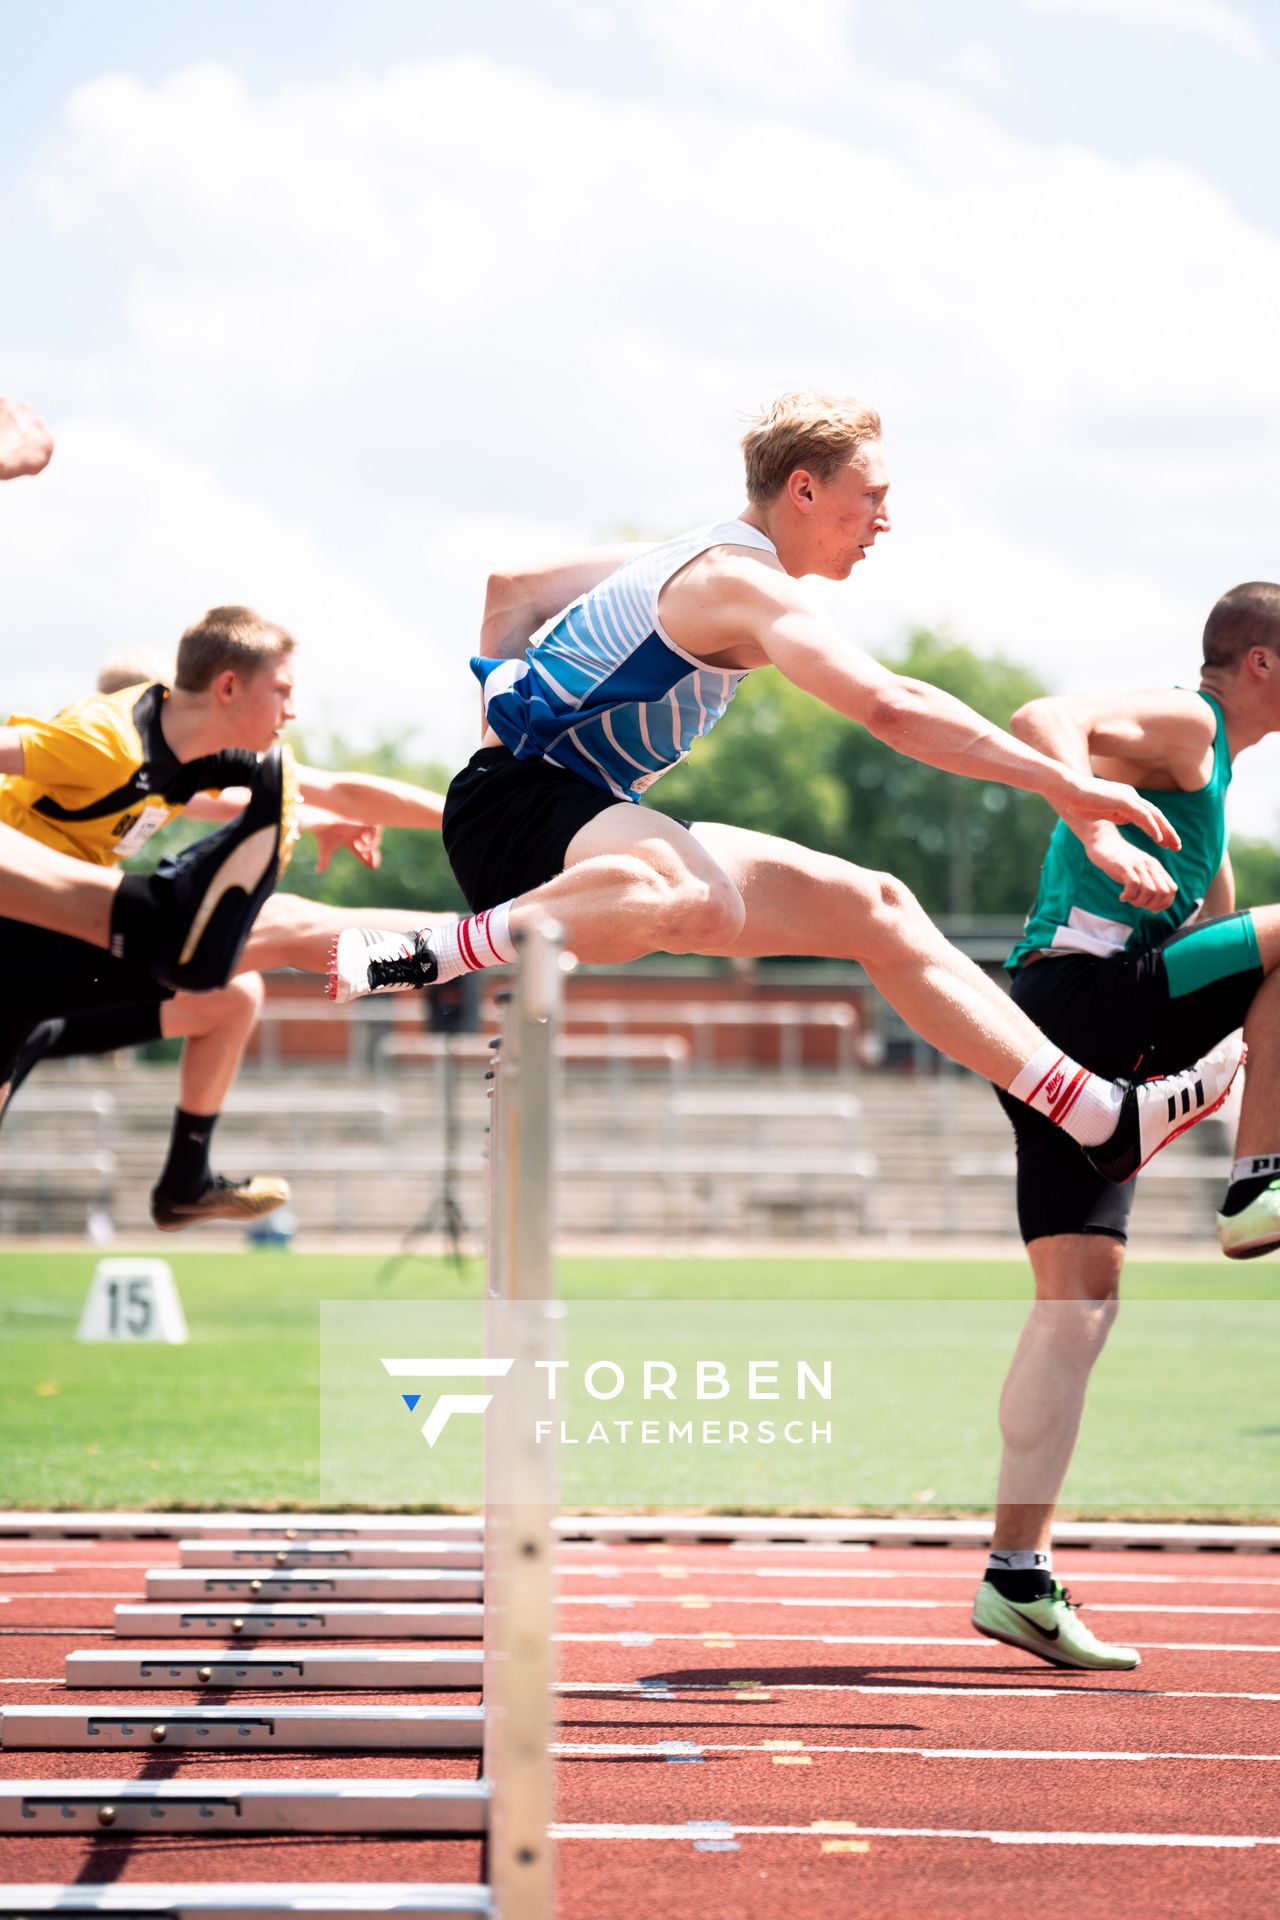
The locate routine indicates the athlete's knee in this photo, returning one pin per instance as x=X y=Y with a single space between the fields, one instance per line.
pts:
x=705 y=913
x=893 y=915
x=1074 y=1328
x=235 y=1006
x=687 y=911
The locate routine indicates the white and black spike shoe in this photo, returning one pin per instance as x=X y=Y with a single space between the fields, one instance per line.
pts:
x=363 y=960
x=1157 y=1111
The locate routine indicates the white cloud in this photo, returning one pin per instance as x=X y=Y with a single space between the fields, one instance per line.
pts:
x=123 y=543
x=978 y=64
x=1212 y=20
x=786 y=55
x=369 y=333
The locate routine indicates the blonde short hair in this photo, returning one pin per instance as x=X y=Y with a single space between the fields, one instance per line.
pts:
x=233 y=639
x=132 y=669
x=813 y=431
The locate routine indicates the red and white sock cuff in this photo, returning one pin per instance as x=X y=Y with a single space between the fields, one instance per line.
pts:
x=484 y=939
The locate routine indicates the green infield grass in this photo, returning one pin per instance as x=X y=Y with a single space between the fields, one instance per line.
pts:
x=1181 y=1420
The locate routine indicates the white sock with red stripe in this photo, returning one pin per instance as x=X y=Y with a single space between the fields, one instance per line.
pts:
x=481 y=940
x=1081 y=1103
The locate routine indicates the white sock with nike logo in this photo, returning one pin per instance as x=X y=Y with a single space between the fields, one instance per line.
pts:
x=1081 y=1103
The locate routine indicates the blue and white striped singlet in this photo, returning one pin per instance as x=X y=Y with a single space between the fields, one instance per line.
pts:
x=608 y=694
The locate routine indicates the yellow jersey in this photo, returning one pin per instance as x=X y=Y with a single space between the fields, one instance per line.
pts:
x=100 y=778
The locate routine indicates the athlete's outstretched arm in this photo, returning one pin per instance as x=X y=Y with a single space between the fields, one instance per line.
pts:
x=26 y=444
x=518 y=602
x=920 y=720
x=329 y=830
x=372 y=799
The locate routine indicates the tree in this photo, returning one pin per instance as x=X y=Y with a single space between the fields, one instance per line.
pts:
x=414 y=872
x=964 y=847
x=1256 y=864
x=783 y=763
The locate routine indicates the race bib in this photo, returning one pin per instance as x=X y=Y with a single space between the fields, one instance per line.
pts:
x=149 y=821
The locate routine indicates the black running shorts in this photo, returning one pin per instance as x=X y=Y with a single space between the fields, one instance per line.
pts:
x=508 y=823
x=1134 y=1015
x=44 y=974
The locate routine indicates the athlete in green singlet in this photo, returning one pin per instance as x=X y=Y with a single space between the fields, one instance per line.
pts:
x=1131 y=960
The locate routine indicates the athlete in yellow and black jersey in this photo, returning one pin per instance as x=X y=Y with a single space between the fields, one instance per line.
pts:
x=100 y=778
x=94 y=783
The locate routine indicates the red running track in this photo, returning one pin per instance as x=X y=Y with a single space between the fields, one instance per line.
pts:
x=753 y=1732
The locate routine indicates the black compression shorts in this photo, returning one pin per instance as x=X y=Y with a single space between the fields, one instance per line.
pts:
x=1130 y=1016
x=508 y=823
x=43 y=974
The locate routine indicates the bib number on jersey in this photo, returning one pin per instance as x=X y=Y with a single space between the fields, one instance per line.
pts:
x=137 y=834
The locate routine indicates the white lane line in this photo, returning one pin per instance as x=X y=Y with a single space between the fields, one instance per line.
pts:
x=639 y=1638
x=40 y=1633
x=76 y=1593
x=749 y=1690
x=745 y=1692
x=970 y=1575
x=616 y=1830
x=832 y=1602
x=642 y=1749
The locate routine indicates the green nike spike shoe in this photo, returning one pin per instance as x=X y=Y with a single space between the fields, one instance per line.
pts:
x=1050 y=1628
x=1255 y=1229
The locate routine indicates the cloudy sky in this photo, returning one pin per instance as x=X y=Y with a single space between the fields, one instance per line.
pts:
x=332 y=309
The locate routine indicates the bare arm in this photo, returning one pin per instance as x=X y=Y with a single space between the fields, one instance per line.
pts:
x=517 y=603
x=926 y=724
x=26 y=445
x=1162 y=736
x=1221 y=897
x=372 y=799
x=329 y=830
x=12 y=759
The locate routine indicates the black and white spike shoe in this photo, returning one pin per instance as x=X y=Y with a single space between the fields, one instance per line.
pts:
x=1157 y=1111
x=363 y=961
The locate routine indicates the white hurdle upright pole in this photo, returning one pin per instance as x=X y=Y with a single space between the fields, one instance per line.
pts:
x=521 y=1478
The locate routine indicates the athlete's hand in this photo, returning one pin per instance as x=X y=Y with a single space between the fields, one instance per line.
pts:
x=1089 y=802
x=1143 y=881
x=364 y=842
x=26 y=445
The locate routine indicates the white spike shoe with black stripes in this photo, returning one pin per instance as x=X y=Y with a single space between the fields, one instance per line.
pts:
x=1157 y=1111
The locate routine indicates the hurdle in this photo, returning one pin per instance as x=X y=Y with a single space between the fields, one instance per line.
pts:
x=521 y=1482
x=265 y=1584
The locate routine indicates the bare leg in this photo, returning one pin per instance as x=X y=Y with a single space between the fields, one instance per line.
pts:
x=292 y=931
x=1259 y=1130
x=634 y=883
x=1077 y=1280
x=52 y=890
x=802 y=902
x=216 y=1027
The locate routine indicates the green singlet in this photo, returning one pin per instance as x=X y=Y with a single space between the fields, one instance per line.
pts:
x=1078 y=909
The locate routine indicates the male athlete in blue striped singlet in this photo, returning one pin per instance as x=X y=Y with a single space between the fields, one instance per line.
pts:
x=641 y=659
